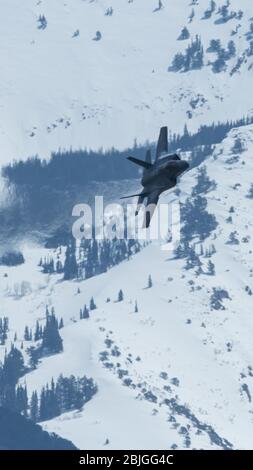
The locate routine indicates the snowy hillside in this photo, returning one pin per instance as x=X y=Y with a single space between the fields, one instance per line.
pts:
x=177 y=372
x=81 y=73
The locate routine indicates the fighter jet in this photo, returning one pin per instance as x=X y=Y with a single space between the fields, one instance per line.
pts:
x=158 y=176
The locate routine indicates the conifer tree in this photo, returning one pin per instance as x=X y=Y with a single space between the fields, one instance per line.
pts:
x=184 y=34
x=21 y=400
x=34 y=407
x=120 y=295
x=81 y=314
x=26 y=334
x=13 y=366
x=51 y=340
x=92 y=304
x=150 y=282
x=210 y=268
x=37 y=335
x=70 y=266
x=85 y=313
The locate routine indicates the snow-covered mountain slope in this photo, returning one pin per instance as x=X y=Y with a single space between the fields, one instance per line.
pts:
x=63 y=85
x=186 y=355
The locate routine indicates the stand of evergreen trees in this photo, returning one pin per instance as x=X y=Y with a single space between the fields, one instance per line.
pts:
x=208 y=13
x=195 y=209
x=12 y=258
x=68 y=393
x=91 y=258
x=206 y=134
x=84 y=313
x=95 y=257
x=192 y=59
x=50 y=341
x=69 y=168
x=50 y=266
x=11 y=370
x=222 y=54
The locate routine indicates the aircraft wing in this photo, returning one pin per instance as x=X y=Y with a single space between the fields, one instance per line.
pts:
x=145 y=165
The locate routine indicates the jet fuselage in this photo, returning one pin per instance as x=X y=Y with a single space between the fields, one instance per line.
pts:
x=158 y=176
x=163 y=174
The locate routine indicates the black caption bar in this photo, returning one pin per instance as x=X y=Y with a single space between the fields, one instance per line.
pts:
x=114 y=459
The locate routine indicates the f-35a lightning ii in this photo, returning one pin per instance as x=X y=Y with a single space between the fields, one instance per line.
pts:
x=158 y=176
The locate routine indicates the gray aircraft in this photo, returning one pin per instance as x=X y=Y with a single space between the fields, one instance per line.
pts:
x=158 y=176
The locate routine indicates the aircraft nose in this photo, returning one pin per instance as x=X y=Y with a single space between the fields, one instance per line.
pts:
x=182 y=166
x=185 y=165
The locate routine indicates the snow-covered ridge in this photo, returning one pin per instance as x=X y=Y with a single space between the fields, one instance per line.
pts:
x=63 y=84
x=186 y=353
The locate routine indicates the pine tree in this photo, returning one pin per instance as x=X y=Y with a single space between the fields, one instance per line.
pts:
x=109 y=11
x=51 y=340
x=34 y=354
x=191 y=15
x=85 y=313
x=6 y=324
x=178 y=62
x=43 y=408
x=26 y=334
x=42 y=22
x=58 y=266
x=231 y=49
x=34 y=407
x=61 y=324
x=92 y=304
x=210 y=268
x=98 y=36
x=37 y=334
x=150 y=282
x=136 y=307
x=70 y=266
x=13 y=366
x=21 y=400
x=184 y=34
x=120 y=295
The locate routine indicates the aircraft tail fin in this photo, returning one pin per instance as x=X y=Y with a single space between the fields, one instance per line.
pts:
x=162 y=144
